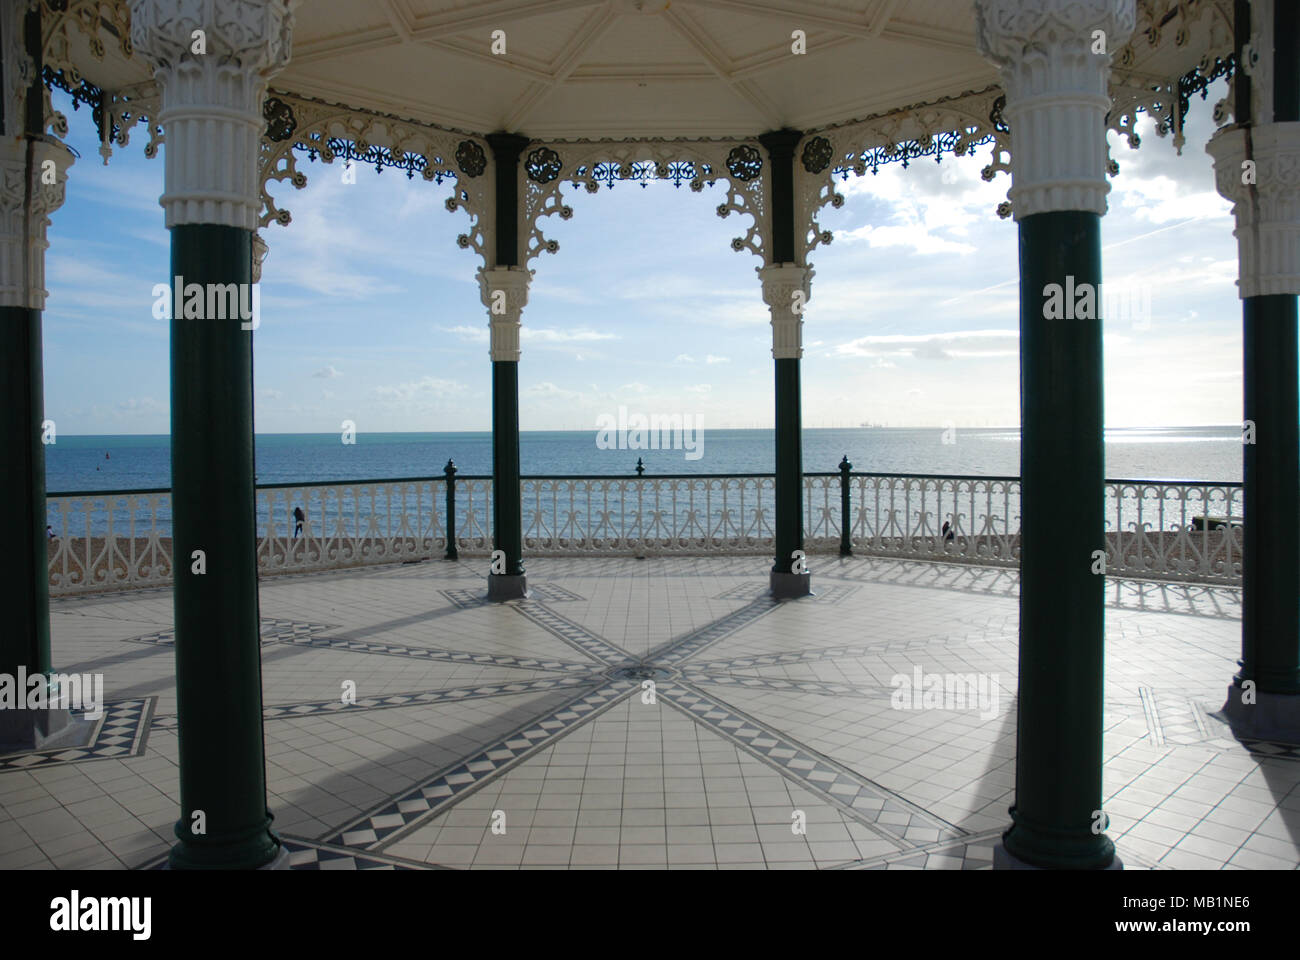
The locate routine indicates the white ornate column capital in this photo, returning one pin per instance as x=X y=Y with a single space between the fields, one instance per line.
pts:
x=786 y=288
x=212 y=60
x=504 y=291
x=1265 y=199
x=1058 y=94
x=22 y=231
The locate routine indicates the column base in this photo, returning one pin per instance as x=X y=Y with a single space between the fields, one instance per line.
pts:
x=1004 y=859
x=25 y=730
x=505 y=586
x=1273 y=716
x=281 y=861
x=791 y=586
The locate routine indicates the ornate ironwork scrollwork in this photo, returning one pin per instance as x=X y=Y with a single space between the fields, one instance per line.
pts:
x=816 y=155
x=1198 y=80
x=374 y=156
x=470 y=158
x=995 y=115
x=957 y=142
x=543 y=165
x=81 y=91
x=280 y=121
x=642 y=172
x=745 y=163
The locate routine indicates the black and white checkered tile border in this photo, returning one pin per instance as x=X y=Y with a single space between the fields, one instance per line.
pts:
x=786 y=658
x=467 y=598
x=779 y=684
x=404 y=813
x=453 y=694
x=572 y=633
x=676 y=651
x=449 y=656
x=969 y=853
x=751 y=589
x=316 y=708
x=313 y=855
x=886 y=813
x=123 y=731
x=1179 y=721
x=273 y=631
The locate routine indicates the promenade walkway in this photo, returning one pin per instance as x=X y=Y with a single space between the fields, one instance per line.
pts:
x=525 y=734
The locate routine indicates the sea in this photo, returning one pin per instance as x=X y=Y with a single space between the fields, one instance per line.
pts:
x=76 y=464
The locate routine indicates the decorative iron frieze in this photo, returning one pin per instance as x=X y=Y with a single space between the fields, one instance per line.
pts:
x=81 y=91
x=372 y=155
x=543 y=165
x=470 y=158
x=954 y=126
x=1198 y=80
x=817 y=155
x=280 y=121
x=745 y=163
x=327 y=132
x=995 y=115
x=589 y=164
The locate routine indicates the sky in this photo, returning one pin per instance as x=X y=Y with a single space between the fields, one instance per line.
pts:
x=370 y=312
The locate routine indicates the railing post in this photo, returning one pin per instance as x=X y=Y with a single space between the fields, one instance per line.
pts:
x=846 y=521
x=640 y=517
x=450 y=471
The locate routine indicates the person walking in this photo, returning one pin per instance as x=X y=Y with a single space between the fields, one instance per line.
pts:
x=298 y=517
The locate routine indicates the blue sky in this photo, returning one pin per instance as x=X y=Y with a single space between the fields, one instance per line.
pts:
x=371 y=313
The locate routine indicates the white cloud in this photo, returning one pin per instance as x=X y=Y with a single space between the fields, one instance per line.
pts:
x=536 y=334
x=426 y=387
x=138 y=405
x=327 y=373
x=935 y=346
x=914 y=235
x=549 y=391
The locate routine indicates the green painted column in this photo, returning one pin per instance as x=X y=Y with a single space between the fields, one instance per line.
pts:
x=1062 y=623
x=1270 y=614
x=505 y=293
x=212 y=117
x=1255 y=161
x=218 y=643
x=1056 y=82
x=24 y=580
x=24 y=218
x=782 y=279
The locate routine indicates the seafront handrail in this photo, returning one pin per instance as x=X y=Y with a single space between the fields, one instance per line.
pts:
x=1155 y=529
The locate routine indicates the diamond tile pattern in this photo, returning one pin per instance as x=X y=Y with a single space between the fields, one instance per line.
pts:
x=122 y=731
x=694 y=719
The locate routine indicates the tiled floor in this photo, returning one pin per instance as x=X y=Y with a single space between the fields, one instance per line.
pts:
x=652 y=714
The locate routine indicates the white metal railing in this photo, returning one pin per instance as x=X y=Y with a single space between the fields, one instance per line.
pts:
x=113 y=540
x=648 y=516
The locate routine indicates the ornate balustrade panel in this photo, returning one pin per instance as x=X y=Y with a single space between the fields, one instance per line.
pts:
x=905 y=516
x=1176 y=531
x=348 y=525
x=107 y=541
x=647 y=516
x=111 y=541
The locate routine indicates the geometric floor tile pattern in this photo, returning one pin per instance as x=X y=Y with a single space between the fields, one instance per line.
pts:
x=658 y=713
x=122 y=731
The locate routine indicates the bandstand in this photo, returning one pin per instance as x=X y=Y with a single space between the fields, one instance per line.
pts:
x=765 y=106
